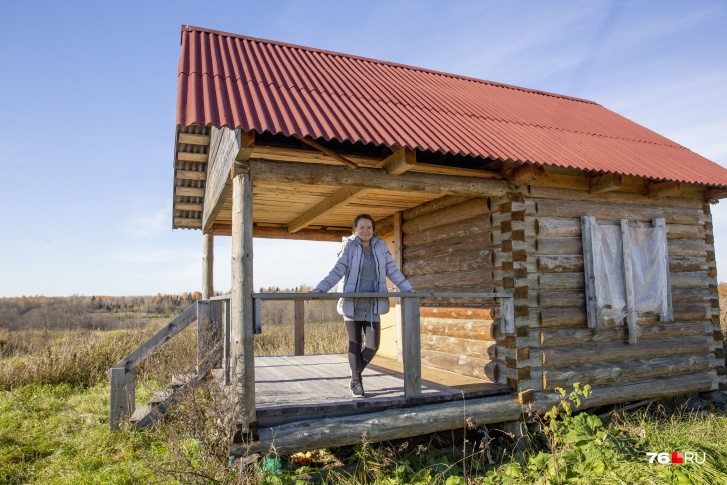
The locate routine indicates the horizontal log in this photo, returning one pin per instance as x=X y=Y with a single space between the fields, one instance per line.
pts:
x=475 y=225
x=681 y=295
x=465 y=210
x=456 y=346
x=694 y=279
x=561 y=298
x=560 y=264
x=557 y=227
x=448 y=246
x=457 y=313
x=687 y=247
x=563 y=195
x=619 y=351
x=680 y=264
x=634 y=213
x=459 y=261
x=573 y=336
x=457 y=363
x=559 y=245
x=620 y=372
x=570 y=281
x=684 y=231
x=433 y=206
x=454 y=279
x=307 y=234
x=563 y=317
x=450 y=327
x=315 y=174
x=684 y=312
x=463 y=302
x=402 y=423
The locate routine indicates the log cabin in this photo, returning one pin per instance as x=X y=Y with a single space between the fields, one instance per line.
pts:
x=549 y=240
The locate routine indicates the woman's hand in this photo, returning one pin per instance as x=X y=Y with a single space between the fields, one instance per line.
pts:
x=315 y=290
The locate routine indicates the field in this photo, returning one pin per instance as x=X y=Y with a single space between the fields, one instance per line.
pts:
x=54 y=398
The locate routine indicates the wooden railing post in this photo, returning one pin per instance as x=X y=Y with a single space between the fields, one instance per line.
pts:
x=299 y=328
x=204 y=331
x=411 y=347
x=226 y=343
x=123 y=395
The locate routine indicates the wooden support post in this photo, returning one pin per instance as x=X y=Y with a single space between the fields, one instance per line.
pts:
x=299 y=327
x=628 y=281
x=207 y=266
x=217 y=326
x=241 y=321
x=123 y=395
x=411 y=347
x=398 y=220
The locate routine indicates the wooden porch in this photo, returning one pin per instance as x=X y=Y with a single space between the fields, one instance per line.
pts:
x=295 y=388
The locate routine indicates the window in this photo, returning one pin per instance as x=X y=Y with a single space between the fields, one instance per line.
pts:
x=627 y=272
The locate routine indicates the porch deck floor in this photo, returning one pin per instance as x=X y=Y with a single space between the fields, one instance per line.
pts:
x=293 y=388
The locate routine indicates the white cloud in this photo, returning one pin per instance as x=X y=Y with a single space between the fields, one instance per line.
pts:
x=150 y=224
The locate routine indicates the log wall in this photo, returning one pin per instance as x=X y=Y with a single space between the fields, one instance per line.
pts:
x=542 y=261
x=447 y=246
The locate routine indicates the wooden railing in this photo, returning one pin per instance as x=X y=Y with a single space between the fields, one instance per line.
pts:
x=411 y=345
x=208 y=316
x=214 y=333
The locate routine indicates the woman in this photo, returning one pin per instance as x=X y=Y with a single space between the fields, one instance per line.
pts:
x=363 y=264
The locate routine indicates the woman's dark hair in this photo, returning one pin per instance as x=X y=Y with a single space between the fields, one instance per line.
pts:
x=364 y=216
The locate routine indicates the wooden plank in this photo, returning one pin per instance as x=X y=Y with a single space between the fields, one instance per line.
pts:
x=483 y=330
x=187 y=206
x=465 y=365
x=555 y=281
x=455 y=230
x=458 y=212
x=565 y=196
x=559 y=245
x=432 y=206
x=189 y=191
x=273 y=232
x=193 y=139
x=605 y=183
x=191 y=175
x=308 y=174
x=557 y=227
x=411 y=347
x=660 y=224
x=457 y=346
x=525 y=174
x=187 y=222
x=455 y=279
x=628 y=281
x=117 y=400
x=550 y=337
x=400 y=161
x=241 y=317
x=447 y=247
x=343 y=196
x=299 y=327
x=560 y=264
x=456 y=261
x=205 y=332
x=192 y=157
x=224 y=146
x=615 y=211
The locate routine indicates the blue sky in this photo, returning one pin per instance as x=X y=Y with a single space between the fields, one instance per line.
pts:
x=88 y=93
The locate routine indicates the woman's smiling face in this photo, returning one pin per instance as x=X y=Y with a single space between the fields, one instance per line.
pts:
x=364 y=230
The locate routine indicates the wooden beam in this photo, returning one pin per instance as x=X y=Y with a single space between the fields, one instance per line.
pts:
x=605 y=183
x=328 y=152
x=400 y=161
x=664 y=189
x=187 y=206
x=299 y=327
x=246 y=144
x=189 y=191
x=309 y=174
x=187 y=222
x=628 y=282
x=340 y=198
x=412 y=348
x=713 y=195
x=524 y=174
x=241 y=321
x=193 y=139
x=273 y=232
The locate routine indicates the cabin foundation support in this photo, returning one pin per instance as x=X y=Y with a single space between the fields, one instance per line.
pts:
x=208 y=259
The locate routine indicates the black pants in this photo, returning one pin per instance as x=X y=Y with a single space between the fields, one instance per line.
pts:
x=358 y=359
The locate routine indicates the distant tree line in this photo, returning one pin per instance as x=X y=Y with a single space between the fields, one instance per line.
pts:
x=115 y=312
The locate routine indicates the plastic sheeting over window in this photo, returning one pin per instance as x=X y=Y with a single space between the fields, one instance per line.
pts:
x=627 y=272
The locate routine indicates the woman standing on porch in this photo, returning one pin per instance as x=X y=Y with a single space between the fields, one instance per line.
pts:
x=363 y=264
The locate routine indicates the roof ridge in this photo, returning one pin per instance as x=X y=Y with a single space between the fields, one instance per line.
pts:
x=189 y=28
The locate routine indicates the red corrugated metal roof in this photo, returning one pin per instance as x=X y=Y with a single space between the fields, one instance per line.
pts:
x=255 y=84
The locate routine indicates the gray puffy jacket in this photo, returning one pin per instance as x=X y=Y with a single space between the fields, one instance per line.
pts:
x=348 y=267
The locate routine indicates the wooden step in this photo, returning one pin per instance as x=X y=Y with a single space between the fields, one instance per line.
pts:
x=161 y=395
x=141 y=412
x=181 y=379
